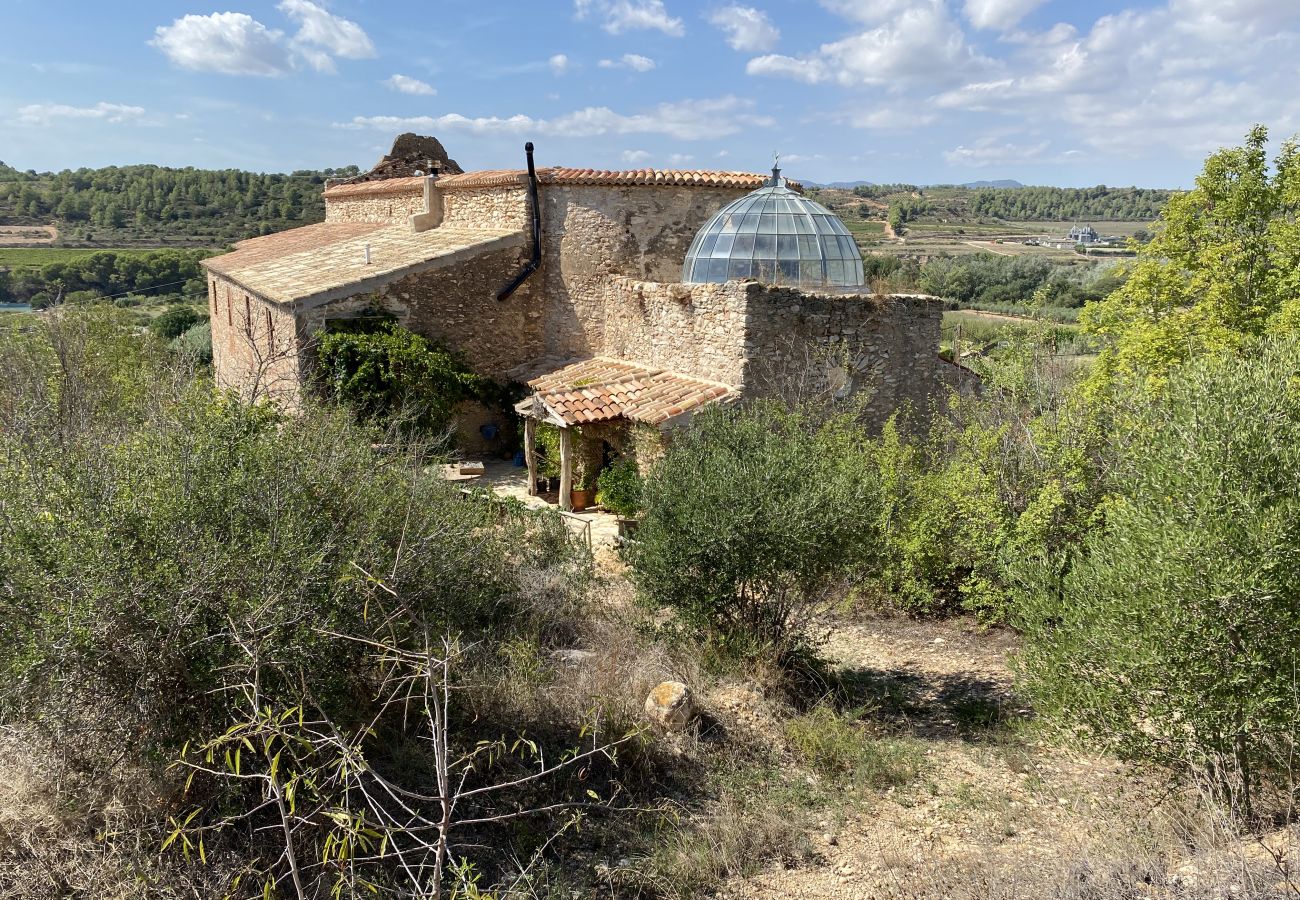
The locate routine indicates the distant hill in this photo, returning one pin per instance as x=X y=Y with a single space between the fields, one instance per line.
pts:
x=1000 y=183
x=973 y=185
x=124 y=206
x=838 y=185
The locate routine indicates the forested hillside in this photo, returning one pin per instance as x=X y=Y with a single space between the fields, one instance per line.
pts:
x=1019 y=204
x=1054 y=204
x=137 y=204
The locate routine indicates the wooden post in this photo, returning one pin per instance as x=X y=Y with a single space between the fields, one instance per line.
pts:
x=566 y=468
x=530 y=453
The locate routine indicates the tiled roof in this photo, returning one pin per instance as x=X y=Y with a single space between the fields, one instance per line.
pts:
x=330 y=258
x=556 y=175
x=600 y=389
x=412 y=185
x=560 y=175
x=296 y=240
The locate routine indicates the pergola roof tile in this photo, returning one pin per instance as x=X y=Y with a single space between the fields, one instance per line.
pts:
x=601 y=388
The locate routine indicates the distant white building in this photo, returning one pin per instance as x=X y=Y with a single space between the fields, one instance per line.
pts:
x=1084 y=234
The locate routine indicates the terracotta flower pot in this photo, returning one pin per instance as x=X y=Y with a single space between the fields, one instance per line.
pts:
x=581 y=497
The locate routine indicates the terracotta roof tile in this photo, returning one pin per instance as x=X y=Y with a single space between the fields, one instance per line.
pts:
x=562 y=175
x=600 y=389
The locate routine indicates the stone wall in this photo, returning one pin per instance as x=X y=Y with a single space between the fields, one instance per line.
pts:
x=807 y=344
x=694 y=329
x=456 y=306
x=255 y=344
x=592 y=232
x=391 y=209
x=774 y=341
x=486 y=207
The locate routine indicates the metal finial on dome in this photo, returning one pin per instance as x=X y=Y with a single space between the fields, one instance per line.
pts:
x=777 y=180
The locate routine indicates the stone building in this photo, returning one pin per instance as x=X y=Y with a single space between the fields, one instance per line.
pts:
x=569 y=283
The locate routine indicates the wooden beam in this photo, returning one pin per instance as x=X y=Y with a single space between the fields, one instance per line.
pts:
x=566 y=468
x=530 y=453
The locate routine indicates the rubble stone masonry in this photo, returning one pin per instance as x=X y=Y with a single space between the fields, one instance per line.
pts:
x=592 y=232
x=773 y=341
x=395 y=207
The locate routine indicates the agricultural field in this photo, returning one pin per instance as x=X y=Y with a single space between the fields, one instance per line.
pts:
x=36 y=257
x=27 y=235
x=945 y=220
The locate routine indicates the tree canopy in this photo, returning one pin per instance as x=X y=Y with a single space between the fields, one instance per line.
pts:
x=1223 y=267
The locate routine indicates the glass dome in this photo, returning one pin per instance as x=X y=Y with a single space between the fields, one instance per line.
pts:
x=777 y=236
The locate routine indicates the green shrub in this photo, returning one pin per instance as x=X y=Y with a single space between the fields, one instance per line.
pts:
x=839 y=746
x=393 y=372
x=548 y=451
x=195 y=343
x=755 y=519
x=148 y=522
x=175 y=321
x=1174 y=633
x=619 y=488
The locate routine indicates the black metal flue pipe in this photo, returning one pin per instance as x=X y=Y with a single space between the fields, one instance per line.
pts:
x=536 y=259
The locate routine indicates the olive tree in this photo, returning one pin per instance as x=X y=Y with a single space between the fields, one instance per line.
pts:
x=1174 y=634
x=755 y=519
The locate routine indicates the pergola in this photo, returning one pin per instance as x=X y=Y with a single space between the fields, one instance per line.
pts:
x=604 y=390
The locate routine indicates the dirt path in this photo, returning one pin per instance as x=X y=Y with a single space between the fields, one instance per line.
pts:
x=987 y=247
x=985 y=800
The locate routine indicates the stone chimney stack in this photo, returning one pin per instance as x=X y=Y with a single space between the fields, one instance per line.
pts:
x=432 y=215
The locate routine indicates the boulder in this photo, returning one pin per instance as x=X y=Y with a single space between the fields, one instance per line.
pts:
x=670 y=705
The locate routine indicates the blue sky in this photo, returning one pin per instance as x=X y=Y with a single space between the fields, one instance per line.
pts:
x=1046 y=91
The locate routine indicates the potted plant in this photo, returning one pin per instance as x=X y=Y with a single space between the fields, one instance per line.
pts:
x=584 y=488
x=618 y=489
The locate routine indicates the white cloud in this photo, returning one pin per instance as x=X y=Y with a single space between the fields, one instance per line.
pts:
x=408 y=85
x=635 y=157
x=1182 y=78
x=747 y=29
x=618 y=16
x=634 y=61
x=323 y=35
x=559 y=63
x=228 y=43
x=988 y=152
x=45 y=113
x=685 y=120
x=1001 y=15
x=231 y=43
x=920 y=45
x=899 y=117
x=679 y=159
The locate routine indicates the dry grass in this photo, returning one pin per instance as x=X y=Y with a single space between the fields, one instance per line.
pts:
x=65 y=833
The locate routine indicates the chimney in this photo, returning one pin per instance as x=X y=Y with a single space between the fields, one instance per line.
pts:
x=432 y=215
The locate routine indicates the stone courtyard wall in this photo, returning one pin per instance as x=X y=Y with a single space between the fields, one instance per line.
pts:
x=255 y=344
x=803 y=343
x=694 y=329
x=782 y=342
